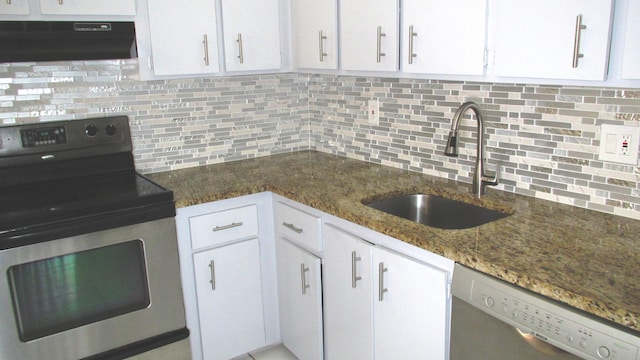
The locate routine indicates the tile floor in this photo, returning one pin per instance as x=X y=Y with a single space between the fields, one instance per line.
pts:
x=278 y=352
x=181 y=351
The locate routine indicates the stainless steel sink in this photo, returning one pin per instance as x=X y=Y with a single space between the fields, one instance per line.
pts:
x=437 y=211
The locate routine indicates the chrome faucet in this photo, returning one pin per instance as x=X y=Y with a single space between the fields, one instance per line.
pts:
x=480 y=180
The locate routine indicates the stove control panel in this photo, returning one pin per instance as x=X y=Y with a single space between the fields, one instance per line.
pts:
x=559 y=325
x=43 y=136
x=64 y=140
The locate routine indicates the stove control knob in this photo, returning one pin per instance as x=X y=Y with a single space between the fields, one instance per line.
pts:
x=110 y=129
x=91 y=130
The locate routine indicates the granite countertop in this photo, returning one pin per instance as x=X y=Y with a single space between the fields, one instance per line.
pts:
x=586 y=259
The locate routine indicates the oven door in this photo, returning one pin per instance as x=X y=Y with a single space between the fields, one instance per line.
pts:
x=89 y=294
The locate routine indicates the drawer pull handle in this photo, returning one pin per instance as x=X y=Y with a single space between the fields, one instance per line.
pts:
x=227 y=227
x=292 y=228
x=354 y=277
x=381 y=288
x=303 y=275
x=212 y=266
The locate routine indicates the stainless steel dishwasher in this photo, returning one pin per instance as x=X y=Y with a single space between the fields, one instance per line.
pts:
x=494 y=320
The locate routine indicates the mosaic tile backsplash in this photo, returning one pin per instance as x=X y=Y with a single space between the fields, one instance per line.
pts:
x=546 y=138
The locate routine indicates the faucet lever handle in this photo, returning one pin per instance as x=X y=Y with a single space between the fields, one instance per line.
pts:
x=495 y=179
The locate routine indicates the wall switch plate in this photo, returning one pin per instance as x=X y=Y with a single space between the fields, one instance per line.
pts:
x=373 y=112
x=619 y=143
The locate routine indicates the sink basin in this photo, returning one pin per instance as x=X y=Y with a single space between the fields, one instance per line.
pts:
x=437 y=211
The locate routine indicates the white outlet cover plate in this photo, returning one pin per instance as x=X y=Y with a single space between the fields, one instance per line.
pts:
x=615 y=153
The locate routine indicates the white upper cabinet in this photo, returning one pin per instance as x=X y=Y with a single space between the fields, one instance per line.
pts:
x=554 y=39
x=178 y=49
x=251 y=35
x=369 y=35
x=14 y=7
x=88 y=7
x=631 y=49
x=314 y=33
x=444 y=37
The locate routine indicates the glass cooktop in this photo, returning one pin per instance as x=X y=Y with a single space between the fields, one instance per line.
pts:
x=81 y=203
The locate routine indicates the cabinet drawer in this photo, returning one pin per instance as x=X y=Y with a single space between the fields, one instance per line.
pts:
x=222 y=226
x=299 y=226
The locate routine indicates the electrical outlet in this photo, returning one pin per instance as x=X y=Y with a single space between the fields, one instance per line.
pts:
x=619 y=143
x=373 y=112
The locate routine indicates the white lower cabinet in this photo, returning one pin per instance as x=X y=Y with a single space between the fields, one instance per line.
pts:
x=230 y=299
x=261 y=269
x=348 y=296
x=227 y=263
x=300 y=298
x=381 y=304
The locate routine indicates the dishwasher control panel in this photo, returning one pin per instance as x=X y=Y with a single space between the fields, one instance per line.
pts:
x=533 y=315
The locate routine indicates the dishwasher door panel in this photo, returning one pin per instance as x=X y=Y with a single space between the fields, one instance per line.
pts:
x=476 y=335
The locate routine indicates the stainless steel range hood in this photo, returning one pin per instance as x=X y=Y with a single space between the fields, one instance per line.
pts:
x=66 y=40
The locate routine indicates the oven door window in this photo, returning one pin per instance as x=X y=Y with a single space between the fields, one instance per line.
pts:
x=64 y=292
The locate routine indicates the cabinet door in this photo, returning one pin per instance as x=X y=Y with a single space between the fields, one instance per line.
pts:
x=631 y=50
x=183 y=50
x=369 y=35
x=444 y=37
x=560 y=39
x=229 y=295
x=88 y=7
x=14 y=7
x=314 y=33
x=411 y=308
x=347 y=295
x=300 y=301
x=251 y=34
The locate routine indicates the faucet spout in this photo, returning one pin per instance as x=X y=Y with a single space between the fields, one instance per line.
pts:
x=480 y=180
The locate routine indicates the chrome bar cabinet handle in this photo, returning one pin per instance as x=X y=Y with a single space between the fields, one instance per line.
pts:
x=379 y=44
x=60 y=2
x=354 y=276
x=212 y=266
x=205 y=43
x=303 y=276
x=226 y=227
x=321 y=39
x=576 y=43
x=292 y=228
x=412 y=34
x=381 y=288
x=240 y=51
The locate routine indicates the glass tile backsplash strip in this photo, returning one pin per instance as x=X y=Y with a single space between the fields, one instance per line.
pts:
x=546 y=137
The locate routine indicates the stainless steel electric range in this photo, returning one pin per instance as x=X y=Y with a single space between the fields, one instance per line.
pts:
x=88 y=247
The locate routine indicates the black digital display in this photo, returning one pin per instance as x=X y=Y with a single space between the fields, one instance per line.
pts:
x=43 y=136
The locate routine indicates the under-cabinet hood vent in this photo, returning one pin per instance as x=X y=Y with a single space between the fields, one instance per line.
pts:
x=66 y=40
